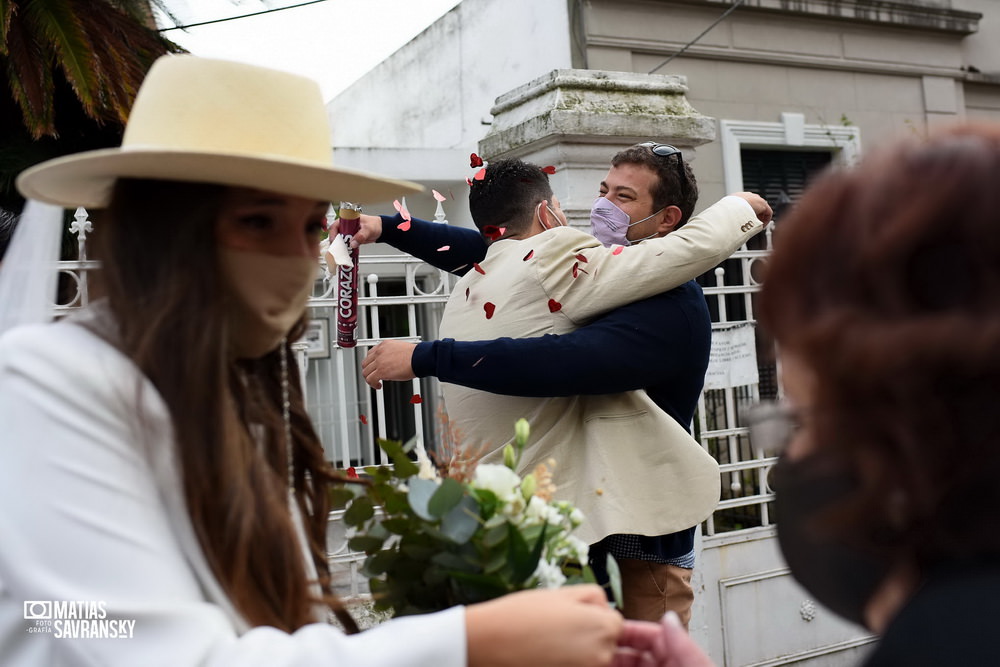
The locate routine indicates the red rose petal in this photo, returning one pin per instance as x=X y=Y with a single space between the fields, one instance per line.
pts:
x=531 y=253
x=492 y=232
x=549 y=170
x=480 y=174
x=466 y=293
x=469 y=181
x=478 y=268
x=490 y=309
x=402 y=210
x=554 y=306
x=404 y=226
x=576 y=269
x=475 y=161
x=352 y=473
x=617 y=250
x=416 y=399
x=582 y=257
x=364 y=420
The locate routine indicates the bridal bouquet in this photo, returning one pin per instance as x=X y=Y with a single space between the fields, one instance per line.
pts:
x=433 y=541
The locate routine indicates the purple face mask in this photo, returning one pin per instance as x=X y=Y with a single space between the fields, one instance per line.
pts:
x=609 y=224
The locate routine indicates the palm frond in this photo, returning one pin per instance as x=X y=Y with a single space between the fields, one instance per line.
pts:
x=7 y=8
x=59 y=26
x=30 y=79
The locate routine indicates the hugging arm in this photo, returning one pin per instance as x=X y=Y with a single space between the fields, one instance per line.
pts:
x=443 y=246
x=630 y=348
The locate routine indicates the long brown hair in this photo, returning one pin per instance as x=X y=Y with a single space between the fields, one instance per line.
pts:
x=885 y=281
x=159 y=273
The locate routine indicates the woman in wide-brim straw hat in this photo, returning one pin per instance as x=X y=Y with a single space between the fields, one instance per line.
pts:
x=158 y=467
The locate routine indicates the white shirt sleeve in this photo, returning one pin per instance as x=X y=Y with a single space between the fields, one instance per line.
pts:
x=84 y=519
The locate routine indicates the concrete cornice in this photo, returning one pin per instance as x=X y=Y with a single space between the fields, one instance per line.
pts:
x=934 y=15
x=594 y=106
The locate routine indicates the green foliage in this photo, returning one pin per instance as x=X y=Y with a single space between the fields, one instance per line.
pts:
x=433 y=543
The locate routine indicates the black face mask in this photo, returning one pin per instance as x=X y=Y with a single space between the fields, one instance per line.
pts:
x=839 y=576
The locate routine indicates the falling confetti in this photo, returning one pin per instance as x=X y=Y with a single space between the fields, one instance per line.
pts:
x=549 y=169
x=490 y=309
x=469 y=181
x=492 y=232
x=352 y=473
x=475 y=161
x=438 y=195
x=478 y=361
x=480 y=175
x=554 y=306
x=416 y=399
x=364 y=419
x=402 y=210
x=531 y=253
x=443 y=248
x=478 y=268
x=404 y=226
x=617 y=250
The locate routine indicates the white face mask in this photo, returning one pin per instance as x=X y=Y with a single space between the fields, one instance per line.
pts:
x=609 y=224
x=268 y=295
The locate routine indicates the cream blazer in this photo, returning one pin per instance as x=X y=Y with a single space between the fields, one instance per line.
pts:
x=627 y=465
x=92 y=510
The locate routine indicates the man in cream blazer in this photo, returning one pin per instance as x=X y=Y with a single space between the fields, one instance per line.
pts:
x=619 y=458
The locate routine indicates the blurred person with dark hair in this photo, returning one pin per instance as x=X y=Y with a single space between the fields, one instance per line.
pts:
x=883 y=294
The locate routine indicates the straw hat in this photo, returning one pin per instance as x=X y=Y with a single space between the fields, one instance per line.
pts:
x=215 y=121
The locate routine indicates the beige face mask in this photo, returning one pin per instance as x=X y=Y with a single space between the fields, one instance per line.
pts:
x=268 y=296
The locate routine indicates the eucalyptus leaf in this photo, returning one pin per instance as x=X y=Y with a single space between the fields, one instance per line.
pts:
x=445 y=498
x=399 y=526
x=405 y=468
x=365 y=543
x=615 y=581
x=340 y=496
x=380 y=562
x=495 y=536
x=420 y=494
x=462 y=521
x=359 y=511
x=452 y=561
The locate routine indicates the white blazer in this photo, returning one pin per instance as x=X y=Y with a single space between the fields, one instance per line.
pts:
x=91 y=510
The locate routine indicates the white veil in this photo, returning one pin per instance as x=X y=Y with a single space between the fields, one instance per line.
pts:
x=29 y=271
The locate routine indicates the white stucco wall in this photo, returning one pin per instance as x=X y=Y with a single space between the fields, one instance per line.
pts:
x=422 y=111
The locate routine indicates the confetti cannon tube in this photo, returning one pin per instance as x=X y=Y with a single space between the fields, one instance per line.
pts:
x=347 y=279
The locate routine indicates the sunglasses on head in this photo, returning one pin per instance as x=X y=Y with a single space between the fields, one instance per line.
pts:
x=666 y=150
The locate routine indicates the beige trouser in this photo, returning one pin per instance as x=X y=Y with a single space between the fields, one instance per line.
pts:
x=649 y=590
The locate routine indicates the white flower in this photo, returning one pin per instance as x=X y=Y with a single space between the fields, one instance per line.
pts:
x=578 y=549
x=501 y=480
x=427 y=469
x=548 y=575
x=537 y=511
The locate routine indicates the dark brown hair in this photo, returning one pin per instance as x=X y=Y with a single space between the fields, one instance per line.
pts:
x=669 y=191
x=885 y=281
x=507 y=195
x=159 y=272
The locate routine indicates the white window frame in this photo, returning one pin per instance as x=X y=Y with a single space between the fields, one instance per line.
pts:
x=843 y=141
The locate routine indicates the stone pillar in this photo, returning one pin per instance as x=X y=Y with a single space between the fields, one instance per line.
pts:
x=576 y=120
